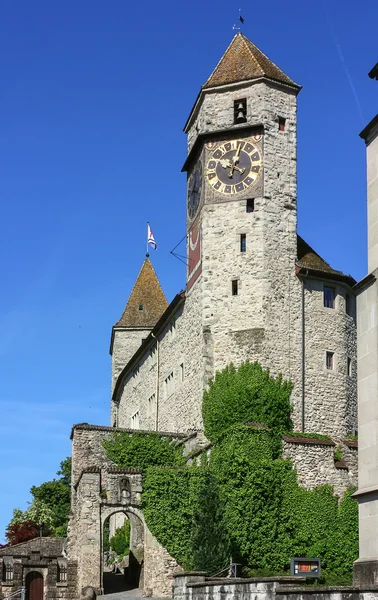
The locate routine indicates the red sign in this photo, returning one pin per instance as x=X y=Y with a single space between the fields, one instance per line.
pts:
x=194 y=253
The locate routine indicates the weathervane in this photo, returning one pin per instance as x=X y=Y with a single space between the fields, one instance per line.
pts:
x=237 y=27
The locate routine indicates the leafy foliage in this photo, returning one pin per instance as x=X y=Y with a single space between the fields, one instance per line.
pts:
x=50 y=504
x=142 y=450
x=22 y=532
x=38 y=512
x=120 y=541
x=169 y=504
x=210 y=542
x=248 y=393
x=342 y=548
x=246 y=501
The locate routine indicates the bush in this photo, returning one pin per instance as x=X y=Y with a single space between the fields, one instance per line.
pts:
x=248 y=393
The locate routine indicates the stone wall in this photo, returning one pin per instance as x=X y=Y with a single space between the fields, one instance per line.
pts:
x=100 y=491
x=45 y=556
x=125 y=342
x=263 y=321
x=314 y=463
x=195 y=586
x=180 y=356
x=330 y=395
x=159 y=568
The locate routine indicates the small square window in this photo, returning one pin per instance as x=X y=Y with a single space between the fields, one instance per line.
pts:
x=140 y=307
x=329 y=361
x=235 y=287
x=281 y=123
x=243 y=242
x=329 y=297
x=250 y=205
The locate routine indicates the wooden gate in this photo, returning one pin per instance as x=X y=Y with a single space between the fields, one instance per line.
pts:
x=34 y=586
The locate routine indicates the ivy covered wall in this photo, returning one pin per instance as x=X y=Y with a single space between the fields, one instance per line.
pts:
x=244 y=501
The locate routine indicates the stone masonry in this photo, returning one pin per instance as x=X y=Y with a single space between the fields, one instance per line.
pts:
x=43 y=556
x=101 y=490
x=279 y=316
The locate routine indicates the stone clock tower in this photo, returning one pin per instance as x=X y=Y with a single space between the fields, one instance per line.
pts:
x=255 y=290
x=241 y=209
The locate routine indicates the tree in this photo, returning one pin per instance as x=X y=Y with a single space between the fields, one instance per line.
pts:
x=120 y=542
x=22 y=532
x=50 y=504
x=65 y=470
x=38 y=512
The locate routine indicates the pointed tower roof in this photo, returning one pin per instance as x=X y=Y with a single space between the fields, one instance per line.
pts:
x=147 y=302
x=243 y=61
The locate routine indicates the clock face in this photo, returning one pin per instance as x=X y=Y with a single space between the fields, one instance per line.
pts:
x=194 y=190
x=234 y=166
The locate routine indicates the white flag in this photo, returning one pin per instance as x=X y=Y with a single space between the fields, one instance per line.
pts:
x=150 y=237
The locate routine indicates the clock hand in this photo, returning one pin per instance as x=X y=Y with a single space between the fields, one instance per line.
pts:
x=235 y=159
x=225 y=163
x=236 y=156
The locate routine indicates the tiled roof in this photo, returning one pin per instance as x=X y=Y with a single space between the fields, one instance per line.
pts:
x=309 y=259
x=146 y=303
x=243 y=61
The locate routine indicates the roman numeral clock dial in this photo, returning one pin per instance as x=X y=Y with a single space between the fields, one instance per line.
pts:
x=234 y=166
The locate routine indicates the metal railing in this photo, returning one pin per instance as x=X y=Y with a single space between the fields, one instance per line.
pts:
x=21 y=591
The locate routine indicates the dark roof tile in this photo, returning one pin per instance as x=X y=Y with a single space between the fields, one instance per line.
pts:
x=243 y=61
x=146 y=293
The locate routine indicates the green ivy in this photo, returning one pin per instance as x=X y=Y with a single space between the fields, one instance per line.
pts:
x=248 y=393
x=338 y=454
x=210 y=540
x=170 y=499
x=141 y=450
x=120 y=541
x=342 y=546
x=245 y=501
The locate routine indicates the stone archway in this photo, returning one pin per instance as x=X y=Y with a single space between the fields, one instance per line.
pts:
x=128 y=574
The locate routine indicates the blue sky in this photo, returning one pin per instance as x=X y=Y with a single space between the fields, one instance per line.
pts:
x=94 y=98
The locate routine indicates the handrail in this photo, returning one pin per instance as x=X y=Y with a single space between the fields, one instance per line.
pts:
x=21 y=591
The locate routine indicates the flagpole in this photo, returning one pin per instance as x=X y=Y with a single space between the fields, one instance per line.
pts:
x=147 y=254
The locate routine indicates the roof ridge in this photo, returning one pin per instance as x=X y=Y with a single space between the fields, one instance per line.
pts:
x=250 y=43
x=246 y=40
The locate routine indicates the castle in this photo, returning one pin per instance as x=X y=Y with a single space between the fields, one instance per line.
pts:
x=255 y=291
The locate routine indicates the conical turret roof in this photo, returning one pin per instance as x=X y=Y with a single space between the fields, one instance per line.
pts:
x=147 y=302
x=243 y=61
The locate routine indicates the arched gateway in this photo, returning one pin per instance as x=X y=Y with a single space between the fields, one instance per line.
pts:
x=98 y=493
